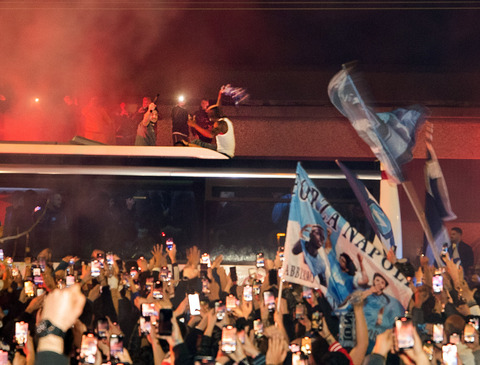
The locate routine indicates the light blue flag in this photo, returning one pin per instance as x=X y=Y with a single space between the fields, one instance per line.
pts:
x=391 y=135
x=322 y=250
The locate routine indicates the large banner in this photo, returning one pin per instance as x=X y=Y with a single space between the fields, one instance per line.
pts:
x=323 y=251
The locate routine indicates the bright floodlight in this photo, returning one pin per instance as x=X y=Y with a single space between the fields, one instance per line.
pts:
x=37 y=100
x=181 y=98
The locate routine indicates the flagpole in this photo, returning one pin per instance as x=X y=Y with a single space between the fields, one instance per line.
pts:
x=419 y=211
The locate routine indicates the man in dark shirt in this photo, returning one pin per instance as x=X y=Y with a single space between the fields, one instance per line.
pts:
x=179 y=121
x=201 y=117
x=460 y=250
x=147 y=128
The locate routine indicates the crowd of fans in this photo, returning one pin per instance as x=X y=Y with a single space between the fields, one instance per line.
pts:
x=153 y=311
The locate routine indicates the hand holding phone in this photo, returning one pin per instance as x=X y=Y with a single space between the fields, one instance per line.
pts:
x=404 y=333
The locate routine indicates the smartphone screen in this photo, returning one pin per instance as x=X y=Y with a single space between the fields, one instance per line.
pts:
x=437 y=282
x=469 y=333
x=88 y=349
x=169 y=243
x=438 y=332
x=428 y=349
x=257 y=287
x=102 y=328
x=95 y=268
x=306 y=345
x=21 y=333
x=194 y=303
x=294 y=347
x=247 y=293
x=4 y=357
x=145 y=325
x=233 y=273
x=165 y=274
x=165 y=322
x=110 y=259
x=281 y=253
x=149 y=284
x=70 y=280
x=297 y=358
x=449 y=354
x=116 y=345
x=260 y=260
x=38 y=280
x=36 y=271
x=206 y=259
x=404 y=333
x=29 y=289
x=258 y=327
x=220 y=310
x=229 y=339
x=231 y=302
x=475 y=322
x=148 y=310
x=317 y=322
x=269 y=300
x=1 y=254
x=157 y=291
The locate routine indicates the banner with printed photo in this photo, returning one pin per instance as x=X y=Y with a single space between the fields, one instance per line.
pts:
x=322 y=248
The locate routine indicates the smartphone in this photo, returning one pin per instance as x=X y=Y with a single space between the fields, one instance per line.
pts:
x=294 y=347
x=95 y=268
x=36 y=271
x=260 y=259
x=247 y=293
x=116 y=345
x=148 y=310
x=165 y=274
x=437 y=282
x=231 y=302
x=317 y=321
x=21 y=333
x=194 y=304
x=169 y=243
x=404 y=333
x=220 y=310
x=233 y=274
x=4 y=357
x=229 y=339
x=272 y=277
x=306 y=345
x=110 y=259
x=449 y=354
x=474 y=321
x=281 y=253
x=15 y=271
x=258 y=327
x=299 y=311
x=269 y=300
x=102 y=328
x=164 y=323
x=69 y=280
x=29 y=288
x=145 y=325
x=205 y=259
x=38 y=280
x=42 y=262
x=469 y=333
x=203 y=271
x=257 y=287
x=1 y=254
x=133 y=271
x=429 y=350
x=149 y=284
x=438 y=333
x=88 y=349
x=40 y=291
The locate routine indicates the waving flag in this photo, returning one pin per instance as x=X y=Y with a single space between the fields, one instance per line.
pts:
x=374 y=213
x=437 y=202
x=322 y=250
x=391 y=135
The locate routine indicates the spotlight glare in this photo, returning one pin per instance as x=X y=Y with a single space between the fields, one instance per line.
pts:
x=181 y=98
x=37 y=100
